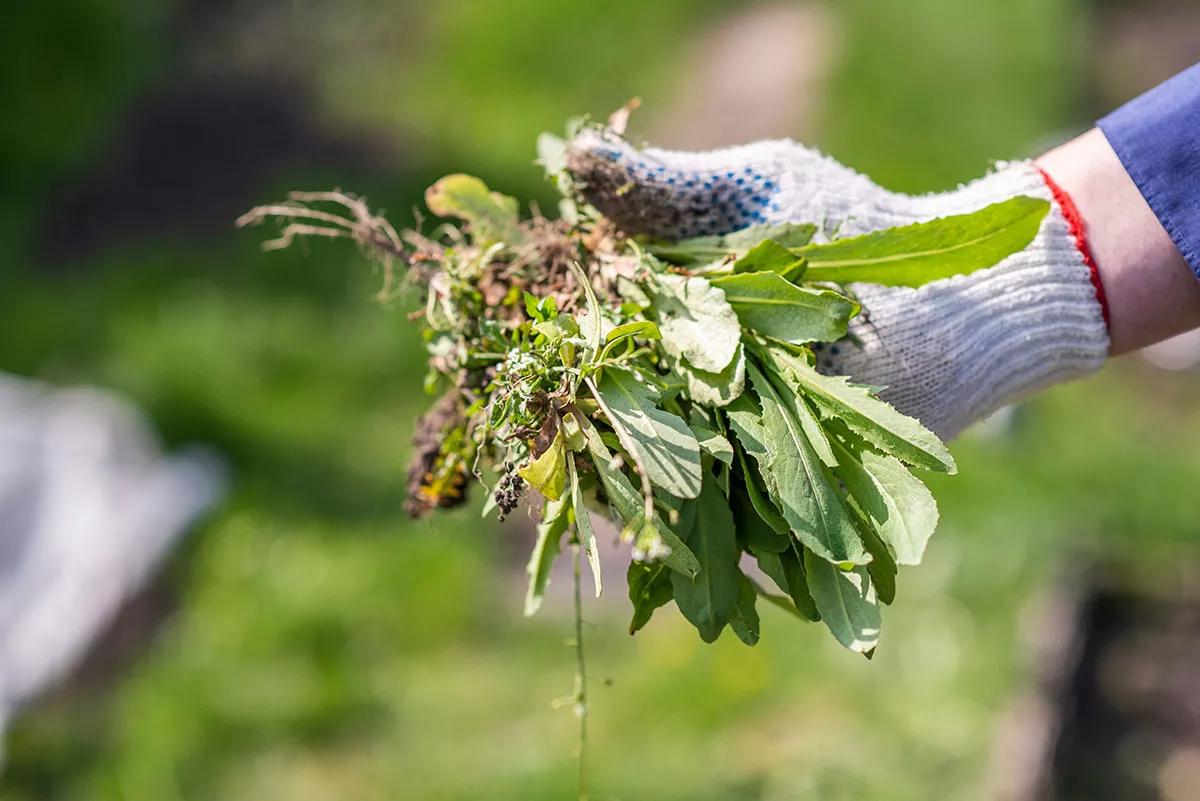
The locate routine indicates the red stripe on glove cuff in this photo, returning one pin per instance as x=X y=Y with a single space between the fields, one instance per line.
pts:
x=1075 y=222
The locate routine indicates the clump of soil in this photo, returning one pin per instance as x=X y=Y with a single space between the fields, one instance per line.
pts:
x=631 y=205
x=431 y=432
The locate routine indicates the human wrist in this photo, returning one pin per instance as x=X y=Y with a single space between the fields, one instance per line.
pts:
x=1152 y=294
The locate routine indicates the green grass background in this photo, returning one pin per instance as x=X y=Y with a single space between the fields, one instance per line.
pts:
x=327 y=648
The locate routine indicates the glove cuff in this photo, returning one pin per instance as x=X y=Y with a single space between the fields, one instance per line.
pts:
x=954 y=351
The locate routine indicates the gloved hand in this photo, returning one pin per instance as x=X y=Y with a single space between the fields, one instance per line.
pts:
x=948 y=353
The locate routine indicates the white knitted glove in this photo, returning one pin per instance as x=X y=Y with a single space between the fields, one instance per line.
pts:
x=949 y=353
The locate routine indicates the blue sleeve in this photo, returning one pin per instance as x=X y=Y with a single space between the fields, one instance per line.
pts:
x=1157 y=138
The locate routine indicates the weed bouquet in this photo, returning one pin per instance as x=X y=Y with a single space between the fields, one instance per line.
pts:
x=671 y=387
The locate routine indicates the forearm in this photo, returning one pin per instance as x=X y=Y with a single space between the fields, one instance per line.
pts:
x=1151 y=291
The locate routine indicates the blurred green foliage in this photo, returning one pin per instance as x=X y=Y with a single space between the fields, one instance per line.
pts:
x=68 y=71
x=325 y=647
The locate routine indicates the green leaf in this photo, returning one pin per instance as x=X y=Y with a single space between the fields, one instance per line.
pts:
x=769 y=563
x=756 y=491
x=681 y=513
x=744 y=621
x=779 y=601
x=696 y=322
x=563 y=325
x=770 y=256
x=714 y=444
x=777 y=308
x=715 y=389
x=752 y=530
x=491 y=216
x=917 y=254
x=897 y=503
x=573 y=433
x=787 y=571
x=583 y=523
x=642 y=328
x=550 y=329
x=796 y=480
x=591 y=325
x=661 y=441
x=870 y=418
x=660 y=543
x=649 y=588
x=709 y=600
x=555 y=521
x=790 y=235
x=636 y=299
x=548 y=473
x=540 y=310
x=808 y=419
x=736 y=244
x=883 y=568
x=846 y=601
x=552 y=155
x=629 y=506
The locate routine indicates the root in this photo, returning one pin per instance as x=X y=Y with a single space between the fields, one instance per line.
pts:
x=371 y=231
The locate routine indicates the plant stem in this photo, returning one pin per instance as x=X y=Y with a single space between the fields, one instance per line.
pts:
x=580 y=699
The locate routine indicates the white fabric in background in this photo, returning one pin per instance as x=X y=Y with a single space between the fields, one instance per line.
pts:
x=89 y=505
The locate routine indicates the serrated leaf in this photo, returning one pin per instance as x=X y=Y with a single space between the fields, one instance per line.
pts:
x=583 y=523
x=897 y=503
x=914 y=255
x=744 y=622
x=491 y=216
x=629 y=506
x=548 y=546
x=696 y=322
x=649 y=588
x=875 y=421
x=709 y=599
x=662 y=441
x=797 y=482
x=770 y=256
x=777 y=308
x=787 y=571
x=808 y=420
x=548 y=473
x=846 y=601
x=715 y=389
